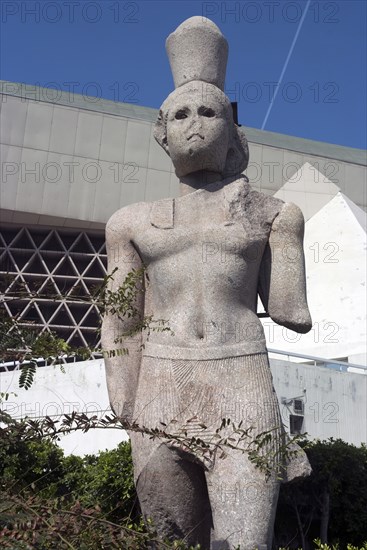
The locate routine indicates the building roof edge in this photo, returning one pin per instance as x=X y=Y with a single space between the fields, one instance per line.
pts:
x=149 y=114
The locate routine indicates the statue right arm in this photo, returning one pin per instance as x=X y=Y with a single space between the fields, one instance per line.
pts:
x=122 y=371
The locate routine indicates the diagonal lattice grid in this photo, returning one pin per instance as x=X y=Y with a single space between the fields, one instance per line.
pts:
x=47 y=278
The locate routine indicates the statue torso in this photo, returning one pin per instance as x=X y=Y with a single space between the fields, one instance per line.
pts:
x=203 y=253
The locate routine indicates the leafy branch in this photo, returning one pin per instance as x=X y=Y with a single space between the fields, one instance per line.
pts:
x=262 y=449
x=33 y=524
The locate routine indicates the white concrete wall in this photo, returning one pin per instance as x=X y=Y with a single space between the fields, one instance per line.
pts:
x=82 y=387
x=335 y=402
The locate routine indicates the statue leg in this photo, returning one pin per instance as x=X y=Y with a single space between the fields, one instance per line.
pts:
x=172 y=492
x=243 y=504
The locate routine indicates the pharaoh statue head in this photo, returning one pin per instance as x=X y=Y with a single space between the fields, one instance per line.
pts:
x=195 y=125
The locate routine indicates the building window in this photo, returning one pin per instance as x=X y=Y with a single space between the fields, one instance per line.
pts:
x=48 y=277
x=298 y=406
x=295 y=424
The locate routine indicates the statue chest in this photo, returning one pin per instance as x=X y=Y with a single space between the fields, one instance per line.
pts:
x=210 y=228
x=204 y=241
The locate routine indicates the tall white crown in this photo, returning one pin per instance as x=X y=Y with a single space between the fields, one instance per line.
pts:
x=197 y=50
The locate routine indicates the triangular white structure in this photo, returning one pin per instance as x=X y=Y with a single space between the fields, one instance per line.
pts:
x=309 y=189
x=335 y=251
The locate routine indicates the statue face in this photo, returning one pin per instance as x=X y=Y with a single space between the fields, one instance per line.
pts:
x=198 y=132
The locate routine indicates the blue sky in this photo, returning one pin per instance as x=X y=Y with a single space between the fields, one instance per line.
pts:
x=115 y=49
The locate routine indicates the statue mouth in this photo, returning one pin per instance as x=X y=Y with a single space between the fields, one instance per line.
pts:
x=195 y=136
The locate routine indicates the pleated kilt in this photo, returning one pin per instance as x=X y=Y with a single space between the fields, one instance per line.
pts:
x=191 y=398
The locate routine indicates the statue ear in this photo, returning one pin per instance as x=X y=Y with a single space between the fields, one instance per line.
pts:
x=238 y=154
x=160 y=133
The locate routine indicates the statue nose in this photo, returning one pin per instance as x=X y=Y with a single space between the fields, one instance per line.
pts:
x=195 y=123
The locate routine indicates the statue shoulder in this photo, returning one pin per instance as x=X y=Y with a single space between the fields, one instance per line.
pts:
x=266 y=201
x=263 y=208
x=285 y=214
x=126 y=221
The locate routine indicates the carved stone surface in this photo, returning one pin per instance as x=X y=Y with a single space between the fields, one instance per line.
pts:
x=208 y=254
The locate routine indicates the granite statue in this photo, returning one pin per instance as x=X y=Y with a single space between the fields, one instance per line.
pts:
x=208 y=254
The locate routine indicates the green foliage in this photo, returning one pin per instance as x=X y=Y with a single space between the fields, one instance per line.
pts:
x=341 y=470
x=105 y=480
x=30 y=465
x=25 y=343
x=122 y=302
x=51 y=501
x=44 y=490
x=334 y=496
x=47 y=344
x=27 y=372
x=260 y=448
x=320 y=546
x=10 y=337
x=39 y=467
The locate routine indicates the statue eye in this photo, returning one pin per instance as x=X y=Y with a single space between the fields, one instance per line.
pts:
x=180 y=114
x=206 y=111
